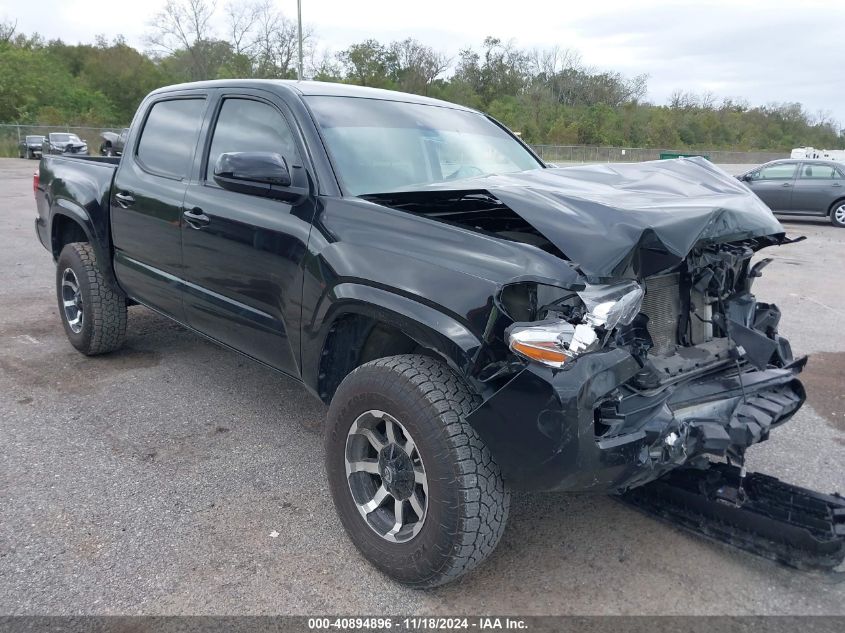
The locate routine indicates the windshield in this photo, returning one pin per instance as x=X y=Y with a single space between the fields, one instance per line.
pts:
x=34 y=139
x=65 y=138
x=380 y=146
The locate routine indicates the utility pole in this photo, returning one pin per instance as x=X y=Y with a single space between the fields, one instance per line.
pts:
x=299 y=23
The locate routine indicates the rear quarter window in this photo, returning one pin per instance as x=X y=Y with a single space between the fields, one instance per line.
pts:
x=170 y=136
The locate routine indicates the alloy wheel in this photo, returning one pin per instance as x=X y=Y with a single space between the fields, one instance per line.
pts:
x=386 y=476
x=72 y=300
x=839 y=214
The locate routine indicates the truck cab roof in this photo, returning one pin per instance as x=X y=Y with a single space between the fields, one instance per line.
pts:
x=314 y=88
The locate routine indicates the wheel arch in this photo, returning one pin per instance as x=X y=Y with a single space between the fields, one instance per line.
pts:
x=835 y=204
x=65 y=229
x=365 y=323
x=70 y=222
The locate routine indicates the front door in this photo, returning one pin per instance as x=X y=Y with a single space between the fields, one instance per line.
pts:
x=243 y=253
x=146 y=204
x=773 y=185
x=817 y=186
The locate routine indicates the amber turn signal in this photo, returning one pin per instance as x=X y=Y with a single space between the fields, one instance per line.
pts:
x=549 y=353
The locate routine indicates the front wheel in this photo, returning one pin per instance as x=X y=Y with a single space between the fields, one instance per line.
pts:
x=92 y=308
x=837 y=214
x=416 y=489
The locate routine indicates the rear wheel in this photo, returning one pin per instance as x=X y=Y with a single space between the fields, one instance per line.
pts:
x=416 y=489
x=837 y=213
x=92 y=308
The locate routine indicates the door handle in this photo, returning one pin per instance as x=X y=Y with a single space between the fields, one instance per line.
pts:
x=786 y=184
x=836 y=184
x=195 y=218
x=124 y=199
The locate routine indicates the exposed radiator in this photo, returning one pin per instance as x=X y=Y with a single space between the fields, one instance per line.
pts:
x=662 y=306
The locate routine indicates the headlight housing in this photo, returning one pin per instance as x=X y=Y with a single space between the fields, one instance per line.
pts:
x=544 y=341
x=555 y=341
x=612 y=305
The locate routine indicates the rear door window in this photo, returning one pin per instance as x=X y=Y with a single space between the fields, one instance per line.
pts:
x=819 y=172
x=170 y=136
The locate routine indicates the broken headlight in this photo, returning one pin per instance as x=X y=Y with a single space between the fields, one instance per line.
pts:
x=544 y=341
x=555 y=341
x=612 y=305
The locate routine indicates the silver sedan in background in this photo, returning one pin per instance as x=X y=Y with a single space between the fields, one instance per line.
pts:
x=801 y=187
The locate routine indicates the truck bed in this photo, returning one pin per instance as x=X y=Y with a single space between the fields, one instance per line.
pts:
x=78 y=188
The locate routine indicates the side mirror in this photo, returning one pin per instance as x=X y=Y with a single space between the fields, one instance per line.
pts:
x=261 y=174
x=251 y=167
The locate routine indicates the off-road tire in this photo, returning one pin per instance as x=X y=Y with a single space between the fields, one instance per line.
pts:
x=104 y=305
x=467 y=498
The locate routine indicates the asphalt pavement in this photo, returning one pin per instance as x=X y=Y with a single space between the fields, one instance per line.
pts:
x=175 y=477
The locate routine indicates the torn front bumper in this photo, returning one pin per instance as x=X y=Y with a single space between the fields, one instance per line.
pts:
x=547 y=428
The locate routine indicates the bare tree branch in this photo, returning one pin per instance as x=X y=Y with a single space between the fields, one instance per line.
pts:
x=242 y=18
x=7 y=30
x=184 y=25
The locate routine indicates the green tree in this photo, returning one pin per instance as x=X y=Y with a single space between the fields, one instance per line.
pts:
x=369 y=63
x=548 y=96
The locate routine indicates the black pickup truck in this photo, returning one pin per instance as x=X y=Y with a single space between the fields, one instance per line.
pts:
x=476 y=321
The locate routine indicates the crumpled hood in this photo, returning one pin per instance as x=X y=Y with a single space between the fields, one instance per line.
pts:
x=648 y=215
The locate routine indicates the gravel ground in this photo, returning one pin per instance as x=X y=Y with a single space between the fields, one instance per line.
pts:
x=150 y=481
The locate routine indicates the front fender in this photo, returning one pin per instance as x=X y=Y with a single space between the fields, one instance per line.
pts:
x=426 y=325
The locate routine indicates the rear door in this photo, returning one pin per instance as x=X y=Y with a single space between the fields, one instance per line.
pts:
x=146 y=204
x=817 y=186
x=243 y=253
x=773 y=184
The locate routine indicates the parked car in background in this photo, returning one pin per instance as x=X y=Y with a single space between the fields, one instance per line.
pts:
x=113 y=142
x=64 y=143
x=30 y=146
x=801 y=187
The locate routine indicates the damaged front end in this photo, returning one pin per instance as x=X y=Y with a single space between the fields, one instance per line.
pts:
x=649 y=351
x=627 y=381
x=628 y=354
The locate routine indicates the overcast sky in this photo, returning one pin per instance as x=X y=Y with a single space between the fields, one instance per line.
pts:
x=759 y=50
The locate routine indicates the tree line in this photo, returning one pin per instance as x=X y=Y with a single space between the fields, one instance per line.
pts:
x=548 y=96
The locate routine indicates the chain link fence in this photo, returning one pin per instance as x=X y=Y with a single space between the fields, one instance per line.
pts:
x=11 y=136
x=592 y=154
